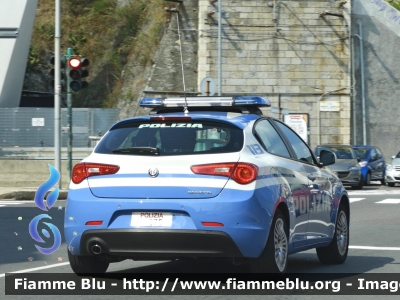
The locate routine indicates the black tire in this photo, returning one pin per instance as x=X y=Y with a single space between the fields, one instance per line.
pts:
x=274 y=258
x=368 y=179
x=87 y=264
x=391 y=184
x=383 y=181
x=336 y=252
x=359 y=186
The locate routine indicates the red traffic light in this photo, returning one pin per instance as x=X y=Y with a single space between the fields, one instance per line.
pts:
x=74 y=62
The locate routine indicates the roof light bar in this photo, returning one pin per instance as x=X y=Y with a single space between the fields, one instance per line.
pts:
x=205 y=101
x=252 y=100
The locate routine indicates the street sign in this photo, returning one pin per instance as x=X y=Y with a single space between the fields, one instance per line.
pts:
x=329 y=105
x=208 y=87
x=299 y=123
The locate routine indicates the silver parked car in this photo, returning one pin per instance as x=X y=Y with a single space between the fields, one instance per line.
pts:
x=393 y=171
x=347 y=165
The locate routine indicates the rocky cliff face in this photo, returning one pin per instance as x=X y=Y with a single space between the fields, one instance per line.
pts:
x=119 y=37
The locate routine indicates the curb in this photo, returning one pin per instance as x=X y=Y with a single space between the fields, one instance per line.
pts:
x=28 y=195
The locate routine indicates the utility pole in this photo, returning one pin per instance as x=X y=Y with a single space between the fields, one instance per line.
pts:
x=57 y=90
x=75 y=72
x=219 y=48
x=364 y=118
x=69 y=105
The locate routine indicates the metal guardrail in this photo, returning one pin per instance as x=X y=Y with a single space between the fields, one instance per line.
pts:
x=7 y=153
x=94 y=140
x=29 y=127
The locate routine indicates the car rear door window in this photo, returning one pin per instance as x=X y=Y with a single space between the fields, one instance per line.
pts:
x=302 y=151
x=270 y=138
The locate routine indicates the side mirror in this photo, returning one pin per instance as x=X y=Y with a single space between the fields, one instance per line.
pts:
x=327 y=158
x=393 y=157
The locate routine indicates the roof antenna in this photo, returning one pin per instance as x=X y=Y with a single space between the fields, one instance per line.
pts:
x=185 y=109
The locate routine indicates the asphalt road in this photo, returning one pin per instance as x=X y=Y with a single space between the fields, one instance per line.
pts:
x=374 y=247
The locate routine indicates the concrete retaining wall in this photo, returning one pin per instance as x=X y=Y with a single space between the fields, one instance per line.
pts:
x=293 y=53
x=30 y=173
x=380 y=25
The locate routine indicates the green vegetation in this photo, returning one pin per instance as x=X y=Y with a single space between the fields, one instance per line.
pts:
x=395 y=3
x=110 y=33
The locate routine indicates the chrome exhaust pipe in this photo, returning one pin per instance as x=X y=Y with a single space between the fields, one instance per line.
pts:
x=96 y=249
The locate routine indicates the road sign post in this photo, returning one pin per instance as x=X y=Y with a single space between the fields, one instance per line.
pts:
x=69 y=107
x=57 y=89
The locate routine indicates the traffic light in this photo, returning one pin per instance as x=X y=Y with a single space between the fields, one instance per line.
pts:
x=76 y=72
x=62 y=71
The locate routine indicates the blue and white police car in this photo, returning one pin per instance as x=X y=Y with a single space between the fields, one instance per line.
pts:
x=204 y=177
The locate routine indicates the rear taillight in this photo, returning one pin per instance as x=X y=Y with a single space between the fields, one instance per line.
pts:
x=242 y=173
x=85 y=170
x=94 y=223
x=212 y=224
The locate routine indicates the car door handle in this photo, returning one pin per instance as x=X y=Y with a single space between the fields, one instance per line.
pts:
x=311 y=177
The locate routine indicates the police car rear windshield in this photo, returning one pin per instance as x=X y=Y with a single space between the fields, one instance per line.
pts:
x=171 y=138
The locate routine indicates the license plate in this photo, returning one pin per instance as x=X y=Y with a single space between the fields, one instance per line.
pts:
x=151 y=219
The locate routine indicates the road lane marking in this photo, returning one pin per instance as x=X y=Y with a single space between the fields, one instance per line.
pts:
x=389 y=201
x=374 y=192
x=386 y=201
x=12 y=202
x=356 y=199
x=375 y=248
x=38 y=268
x=22 y=201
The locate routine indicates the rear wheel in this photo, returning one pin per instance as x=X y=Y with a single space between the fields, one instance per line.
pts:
x=336 y=252
x=274 y=258
x=87 y=264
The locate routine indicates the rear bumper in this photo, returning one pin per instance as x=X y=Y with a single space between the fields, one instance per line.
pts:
x=158 y=244
x=245 y=215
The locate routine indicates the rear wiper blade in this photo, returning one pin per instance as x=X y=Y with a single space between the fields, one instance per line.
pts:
x=138 y=151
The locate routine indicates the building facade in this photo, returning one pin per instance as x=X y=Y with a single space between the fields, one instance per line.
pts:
x=296 y=53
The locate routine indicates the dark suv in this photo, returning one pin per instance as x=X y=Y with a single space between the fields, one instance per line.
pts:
x=372 y=163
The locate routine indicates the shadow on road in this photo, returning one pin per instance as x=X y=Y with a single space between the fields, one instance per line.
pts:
x=298 y=263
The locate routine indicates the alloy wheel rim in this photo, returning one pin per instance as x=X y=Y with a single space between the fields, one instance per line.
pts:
x=281 y=245
x=342 y=233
